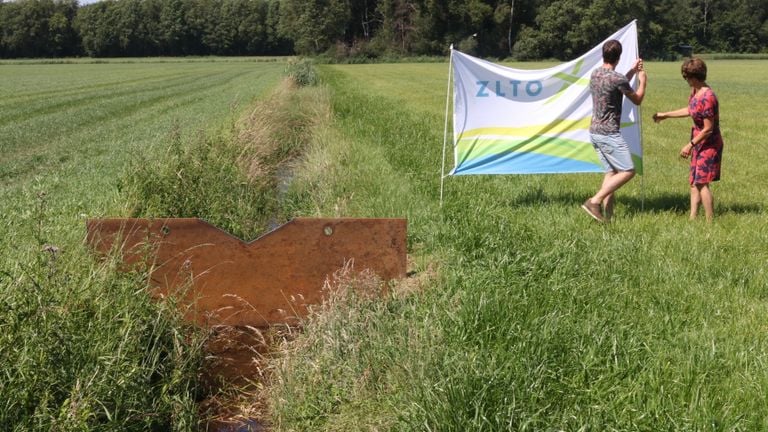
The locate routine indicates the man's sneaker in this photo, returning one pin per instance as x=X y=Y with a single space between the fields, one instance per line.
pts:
x=593 y=210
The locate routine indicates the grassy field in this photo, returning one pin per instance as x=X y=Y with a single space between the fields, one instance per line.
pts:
x=82 y=346
x=538 y=318
x=526 y=314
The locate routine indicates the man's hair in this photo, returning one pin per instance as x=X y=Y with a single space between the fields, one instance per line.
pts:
x=611 y=51
x=694 y=68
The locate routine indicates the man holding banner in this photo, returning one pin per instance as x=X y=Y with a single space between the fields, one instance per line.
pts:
x=608 y=88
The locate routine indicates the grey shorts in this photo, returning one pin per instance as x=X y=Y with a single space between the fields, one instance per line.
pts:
x=613 y=152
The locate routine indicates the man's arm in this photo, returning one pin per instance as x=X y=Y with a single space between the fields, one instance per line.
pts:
x=637 y=96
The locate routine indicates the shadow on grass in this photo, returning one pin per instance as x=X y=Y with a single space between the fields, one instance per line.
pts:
x=680 y=203
x=669 y=202
x=677 y=203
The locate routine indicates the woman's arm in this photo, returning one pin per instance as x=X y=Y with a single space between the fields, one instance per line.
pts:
x=682 y=112
x=705 y=132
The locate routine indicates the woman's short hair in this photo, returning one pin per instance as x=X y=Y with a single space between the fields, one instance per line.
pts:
x=612 y=51
x=694 y=68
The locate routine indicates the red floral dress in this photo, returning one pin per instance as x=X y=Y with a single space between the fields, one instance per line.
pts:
x=706 y=155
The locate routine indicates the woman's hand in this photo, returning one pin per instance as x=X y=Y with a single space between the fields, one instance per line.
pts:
x=680 y=113
x=685 y=152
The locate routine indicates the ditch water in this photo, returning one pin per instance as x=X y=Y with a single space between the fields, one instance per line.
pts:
x=250 y=425
x=234 y=376
x=238 y=354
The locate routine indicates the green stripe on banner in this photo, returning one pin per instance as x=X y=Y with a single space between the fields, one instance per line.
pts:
x=469 y=149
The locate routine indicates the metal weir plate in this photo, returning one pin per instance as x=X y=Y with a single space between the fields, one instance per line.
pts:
x=270 y=280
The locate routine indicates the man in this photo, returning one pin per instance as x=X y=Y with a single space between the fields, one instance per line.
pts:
x=608 y=88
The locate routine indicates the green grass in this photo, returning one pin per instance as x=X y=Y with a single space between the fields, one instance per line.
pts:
x=536 y=318
x=540 y=319
x=83 y=346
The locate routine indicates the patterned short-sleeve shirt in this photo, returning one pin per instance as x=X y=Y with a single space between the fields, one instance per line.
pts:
x=608 y=88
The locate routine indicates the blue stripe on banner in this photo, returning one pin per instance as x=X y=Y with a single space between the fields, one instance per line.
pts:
x=525 y=163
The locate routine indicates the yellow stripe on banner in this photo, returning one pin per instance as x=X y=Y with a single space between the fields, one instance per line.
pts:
x=572 y=79
x=569 y=80
x=627 y=124
x=554 y=128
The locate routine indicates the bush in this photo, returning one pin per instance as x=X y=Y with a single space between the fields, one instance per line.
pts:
x=302 y=71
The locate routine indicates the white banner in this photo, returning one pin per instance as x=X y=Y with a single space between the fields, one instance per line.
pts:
x=513 y=121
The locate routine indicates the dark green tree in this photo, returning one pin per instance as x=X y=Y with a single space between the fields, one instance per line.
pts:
x=740 y=26
x=95 y=24
x=131 y=27
x=38 y=28
x=277 y=42
x=251 y=27
x=314 y=25
x=64 y=40
x=173 y=36
x=397 y=31
x=525 y=29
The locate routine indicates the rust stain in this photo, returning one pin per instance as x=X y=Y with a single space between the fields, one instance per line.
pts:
x=271 y=280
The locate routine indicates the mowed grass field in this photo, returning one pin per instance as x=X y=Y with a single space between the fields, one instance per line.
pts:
x=539 y=318
x=69 y=129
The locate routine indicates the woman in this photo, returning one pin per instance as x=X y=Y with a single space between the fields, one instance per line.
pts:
x=706 y=145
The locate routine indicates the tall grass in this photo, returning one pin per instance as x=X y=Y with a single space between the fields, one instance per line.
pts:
x=540 y=319
x=198 y=177
x=232 y=178
x=237 y=180
x=84 y=347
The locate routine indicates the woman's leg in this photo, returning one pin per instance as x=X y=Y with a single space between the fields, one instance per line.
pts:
x=695 y=201
x=707 y=200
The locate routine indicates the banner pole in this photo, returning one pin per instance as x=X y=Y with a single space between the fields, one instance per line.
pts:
x=445 y=129
x=640 y=126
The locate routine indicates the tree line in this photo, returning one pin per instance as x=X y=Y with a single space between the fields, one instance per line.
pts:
x=369 y=29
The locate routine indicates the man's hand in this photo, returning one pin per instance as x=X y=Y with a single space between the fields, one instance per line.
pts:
x=639 y=69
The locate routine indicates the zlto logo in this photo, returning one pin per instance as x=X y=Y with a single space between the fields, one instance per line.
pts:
x=535 y=90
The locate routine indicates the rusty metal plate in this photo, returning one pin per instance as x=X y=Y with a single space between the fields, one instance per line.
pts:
x=267 y=281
